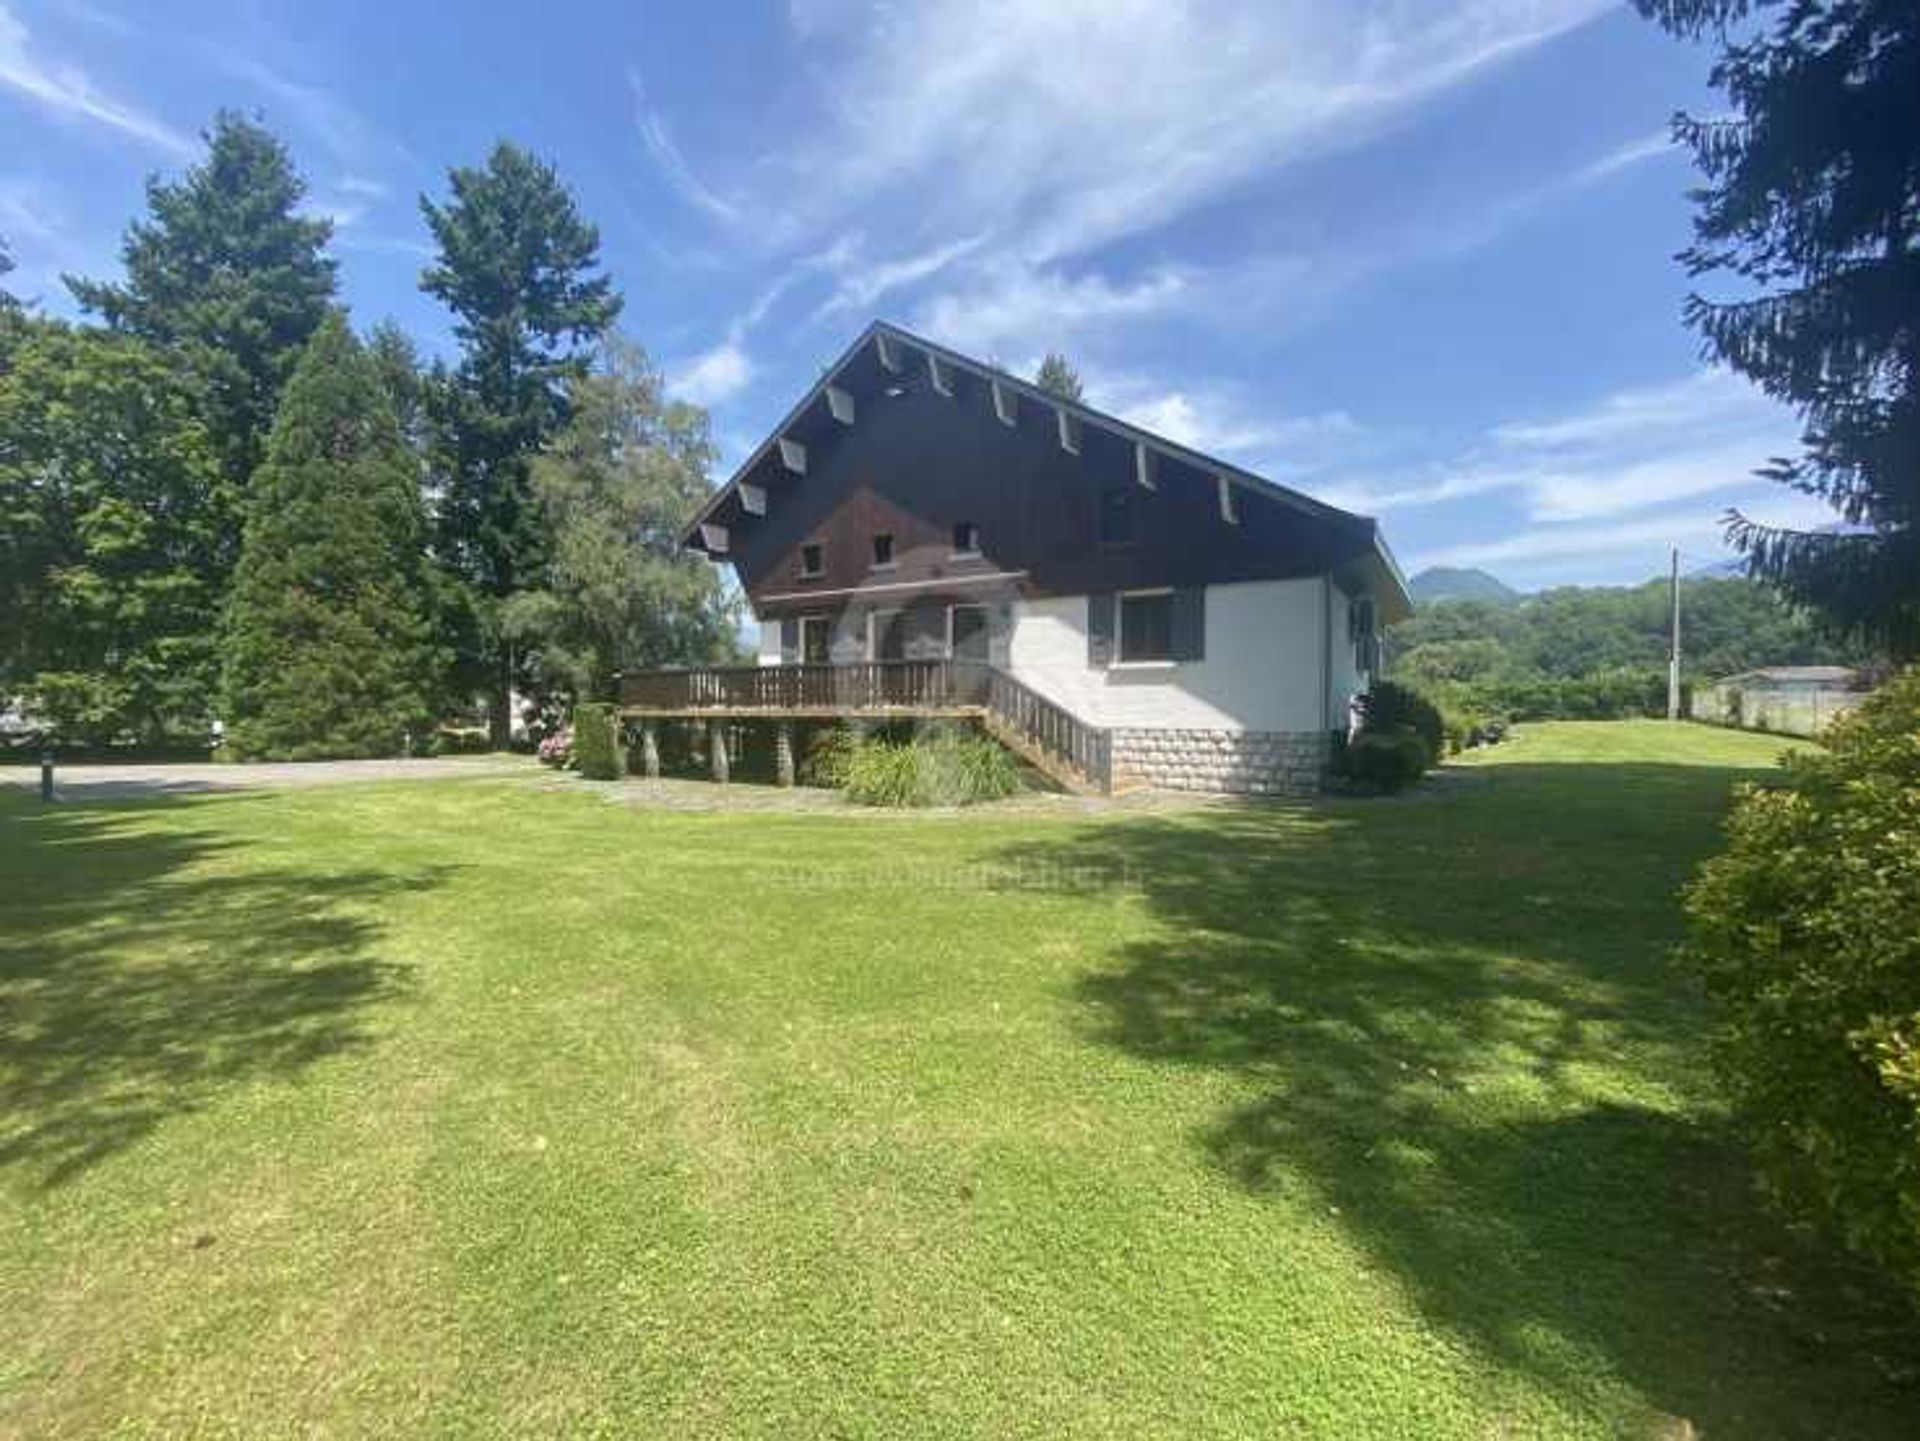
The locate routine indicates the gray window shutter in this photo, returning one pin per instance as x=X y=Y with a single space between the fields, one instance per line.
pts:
x=789 y=640
x=1100 y=614
x=1190 y=624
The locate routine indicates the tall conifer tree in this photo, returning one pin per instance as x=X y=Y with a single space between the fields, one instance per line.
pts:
x=229 y=277
x=328 y=643
x=1057 y=376
x=1811 y=209
x=517 y=266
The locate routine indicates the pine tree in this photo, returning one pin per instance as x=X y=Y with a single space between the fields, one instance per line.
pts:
x=1812 y=202
x=327 y=642
x=1057 y=376
x=397 y=360
x=9 y=303
x=227 y=275
x=516 y=268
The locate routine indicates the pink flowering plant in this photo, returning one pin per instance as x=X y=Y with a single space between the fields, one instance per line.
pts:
x=556 y=749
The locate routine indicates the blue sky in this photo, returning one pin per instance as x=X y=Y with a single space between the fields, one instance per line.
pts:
x=1412 y=256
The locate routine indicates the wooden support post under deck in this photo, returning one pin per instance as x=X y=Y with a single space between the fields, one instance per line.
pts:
x=717 y=749
x=783 y=753
x=650 y=750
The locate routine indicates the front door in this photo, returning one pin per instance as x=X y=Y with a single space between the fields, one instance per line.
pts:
x=967 y=633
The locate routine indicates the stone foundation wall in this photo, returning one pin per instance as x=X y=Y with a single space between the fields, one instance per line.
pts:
x=1260 y=763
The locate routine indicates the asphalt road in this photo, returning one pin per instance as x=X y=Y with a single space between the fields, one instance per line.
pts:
x=112 y=782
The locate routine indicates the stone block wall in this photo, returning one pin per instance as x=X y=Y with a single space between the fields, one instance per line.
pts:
x=1259 y=763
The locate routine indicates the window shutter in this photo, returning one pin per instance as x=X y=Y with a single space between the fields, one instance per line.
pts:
x=1190 y=624
x=789 y=640
x=1100 y=610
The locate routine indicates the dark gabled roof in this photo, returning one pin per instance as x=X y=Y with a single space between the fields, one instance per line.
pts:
x=1387 y=566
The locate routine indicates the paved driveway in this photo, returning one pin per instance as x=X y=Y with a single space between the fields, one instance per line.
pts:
x=112 y=782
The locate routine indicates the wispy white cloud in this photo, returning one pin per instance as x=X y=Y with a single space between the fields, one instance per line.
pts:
x=1566 y=551
x=1009 y=305
x=319 y=111
x=672 y=165
x=1219 y=418
x=1076 y=123
x=27 y=210
x=715 y=376
x=863 y=282
x=1631 y=450
x=68 y=90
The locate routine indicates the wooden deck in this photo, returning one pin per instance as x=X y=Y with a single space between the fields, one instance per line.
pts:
x=1044 y=733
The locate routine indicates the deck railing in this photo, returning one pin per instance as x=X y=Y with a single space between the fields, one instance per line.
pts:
x=902 y=685
x=906 y=687
x=1052 y=728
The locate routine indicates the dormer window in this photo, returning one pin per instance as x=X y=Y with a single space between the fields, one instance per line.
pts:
x=812 y=561
x=966 y=538
x=883 y=551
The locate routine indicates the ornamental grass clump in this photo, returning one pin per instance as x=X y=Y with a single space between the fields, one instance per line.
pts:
x=942 y=770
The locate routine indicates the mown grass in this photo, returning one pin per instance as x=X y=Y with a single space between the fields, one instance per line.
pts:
x=488 y=1108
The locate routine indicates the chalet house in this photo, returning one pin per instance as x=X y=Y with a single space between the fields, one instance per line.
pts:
x=924 y=534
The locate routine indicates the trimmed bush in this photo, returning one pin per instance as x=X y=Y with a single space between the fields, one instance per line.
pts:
x=596 y=747
x=1387 y=760
x=1390 y=706
x=1806 y=932
x=944 y=770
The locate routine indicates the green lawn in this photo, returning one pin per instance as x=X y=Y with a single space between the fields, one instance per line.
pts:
x=483 y=1107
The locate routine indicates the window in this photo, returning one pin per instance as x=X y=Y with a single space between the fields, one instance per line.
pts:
x=1360 y=627
x=811 y=560
x=1146 y=626
x=967 y=632
x=886 y=635
x=882 y=551
x=816 y=639
x=1116 y=516
x=966 y=538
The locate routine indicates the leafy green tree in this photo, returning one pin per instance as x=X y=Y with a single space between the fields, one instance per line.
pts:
x=1812 y=206
x=328 y=642
x=109 y=533
x=1601 y=650
x=1057 y=376
x=516 y=266
x=227 y=275
x=618 y=485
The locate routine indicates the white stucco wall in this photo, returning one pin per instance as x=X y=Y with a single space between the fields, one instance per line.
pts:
x=1264 y=665
x=769 y=642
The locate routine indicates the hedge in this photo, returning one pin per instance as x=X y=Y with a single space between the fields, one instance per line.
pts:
x=596 y=744
x=1806 y=933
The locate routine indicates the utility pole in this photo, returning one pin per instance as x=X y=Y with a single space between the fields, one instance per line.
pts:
x=1673 y=652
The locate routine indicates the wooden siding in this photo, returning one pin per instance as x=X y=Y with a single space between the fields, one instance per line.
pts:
x=915 y=462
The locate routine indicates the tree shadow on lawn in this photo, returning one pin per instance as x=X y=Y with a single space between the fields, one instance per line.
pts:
x=1459 y=1024
x=137 y=982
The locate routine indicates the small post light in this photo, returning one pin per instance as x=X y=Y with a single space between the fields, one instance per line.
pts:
x=46 y=774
